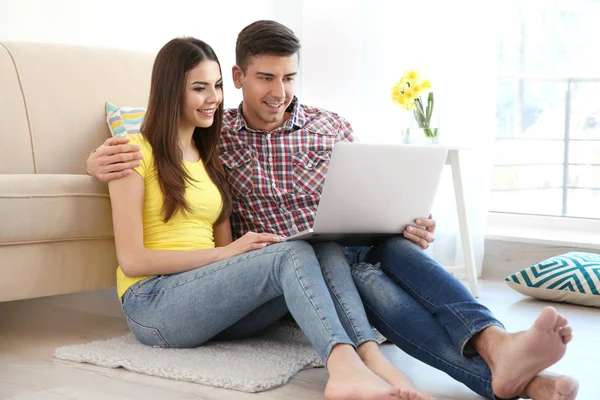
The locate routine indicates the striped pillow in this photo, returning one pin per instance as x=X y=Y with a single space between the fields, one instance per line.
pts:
x=124 y=119
x=572 y=277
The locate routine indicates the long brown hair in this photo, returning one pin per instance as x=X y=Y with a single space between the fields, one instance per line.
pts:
x=161 y=123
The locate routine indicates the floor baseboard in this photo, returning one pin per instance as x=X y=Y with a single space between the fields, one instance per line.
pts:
x=503 y=258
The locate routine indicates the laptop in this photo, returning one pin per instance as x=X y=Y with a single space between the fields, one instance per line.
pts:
x=374 y=191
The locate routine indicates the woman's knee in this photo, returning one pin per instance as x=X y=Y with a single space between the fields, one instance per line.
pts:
x=296 y=247
x=298 y=254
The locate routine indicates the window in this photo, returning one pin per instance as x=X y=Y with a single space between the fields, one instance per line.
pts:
x=547 y=157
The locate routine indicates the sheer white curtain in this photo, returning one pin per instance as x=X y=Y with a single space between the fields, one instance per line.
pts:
x=354 y=51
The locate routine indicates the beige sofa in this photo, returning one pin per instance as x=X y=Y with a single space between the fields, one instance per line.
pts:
x=55 y=221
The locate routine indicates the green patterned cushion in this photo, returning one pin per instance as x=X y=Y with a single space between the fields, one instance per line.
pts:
x=572 y=277
x=124 y=119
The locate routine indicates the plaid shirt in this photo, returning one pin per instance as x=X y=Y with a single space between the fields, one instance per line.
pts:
x=276 y=177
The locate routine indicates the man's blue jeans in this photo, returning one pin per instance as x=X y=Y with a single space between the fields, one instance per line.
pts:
x=422 y=309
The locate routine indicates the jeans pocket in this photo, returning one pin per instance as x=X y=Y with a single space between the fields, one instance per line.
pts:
x=146 y=335
x=146 y=286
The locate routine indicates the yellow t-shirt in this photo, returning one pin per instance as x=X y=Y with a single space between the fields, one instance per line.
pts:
x=184 y=231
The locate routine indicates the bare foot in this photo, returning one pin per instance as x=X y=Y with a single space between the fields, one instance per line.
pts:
x=551 y=387
x=516 y=359
x=376 y=361
x=359 y=383
x=350 y=379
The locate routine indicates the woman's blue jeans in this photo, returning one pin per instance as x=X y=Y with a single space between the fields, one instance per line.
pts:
x=237 y=298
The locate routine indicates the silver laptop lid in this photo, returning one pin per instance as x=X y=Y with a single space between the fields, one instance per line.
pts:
x=377 y=188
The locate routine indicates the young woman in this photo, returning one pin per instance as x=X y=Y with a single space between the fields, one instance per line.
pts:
x=181 y=279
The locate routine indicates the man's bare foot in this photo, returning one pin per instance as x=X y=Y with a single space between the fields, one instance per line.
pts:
x=376 y=361
x=350 y=379
x=516 y=359
x=548 y=386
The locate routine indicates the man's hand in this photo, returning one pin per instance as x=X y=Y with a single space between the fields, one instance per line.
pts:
x=422 y=235
x=114 y=159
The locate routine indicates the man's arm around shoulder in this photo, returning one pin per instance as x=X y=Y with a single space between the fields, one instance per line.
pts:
x=114 y=159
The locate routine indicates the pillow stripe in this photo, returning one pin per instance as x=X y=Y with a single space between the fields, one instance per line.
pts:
x=124 y=119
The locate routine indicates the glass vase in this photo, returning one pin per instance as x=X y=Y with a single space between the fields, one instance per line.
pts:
x=421 y=136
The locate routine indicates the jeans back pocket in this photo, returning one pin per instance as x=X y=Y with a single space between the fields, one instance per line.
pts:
x=146 y=335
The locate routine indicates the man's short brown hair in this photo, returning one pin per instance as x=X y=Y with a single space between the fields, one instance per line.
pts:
x=264 y=38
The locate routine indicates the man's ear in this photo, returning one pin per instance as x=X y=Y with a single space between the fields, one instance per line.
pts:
x=237 y=74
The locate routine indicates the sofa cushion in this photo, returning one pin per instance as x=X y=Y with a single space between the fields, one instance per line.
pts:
x=46 y=208
x=66 y=93
x=572 y=277
x=16 y=154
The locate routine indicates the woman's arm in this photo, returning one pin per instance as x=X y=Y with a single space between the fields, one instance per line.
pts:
x=222 y=233
x=127 y=201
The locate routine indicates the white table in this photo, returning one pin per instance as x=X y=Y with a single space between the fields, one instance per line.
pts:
x=453 y=159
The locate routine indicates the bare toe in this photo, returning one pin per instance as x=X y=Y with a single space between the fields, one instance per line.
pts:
x=547 y=319
x=561 y=322
x=565 y=388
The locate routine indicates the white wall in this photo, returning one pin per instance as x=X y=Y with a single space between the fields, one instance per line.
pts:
x=138 y=25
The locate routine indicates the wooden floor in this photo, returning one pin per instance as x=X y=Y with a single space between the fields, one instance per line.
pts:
x=30 y=331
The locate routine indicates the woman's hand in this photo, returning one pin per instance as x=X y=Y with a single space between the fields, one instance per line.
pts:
x=250 y=241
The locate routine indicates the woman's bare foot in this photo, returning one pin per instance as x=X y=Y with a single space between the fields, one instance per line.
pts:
x=516 y=359
x=350 y=379
x=548 y=386
x=376 y=361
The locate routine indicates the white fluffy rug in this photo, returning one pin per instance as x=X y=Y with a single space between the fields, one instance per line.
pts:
x=250 y=365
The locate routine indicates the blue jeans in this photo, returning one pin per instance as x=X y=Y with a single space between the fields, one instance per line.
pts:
x=237 y=298
x=422 y=309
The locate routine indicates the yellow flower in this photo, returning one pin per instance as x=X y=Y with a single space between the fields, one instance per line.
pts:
x=411 y=92
x=408 y=90
x=416 y=90
x=411 y=75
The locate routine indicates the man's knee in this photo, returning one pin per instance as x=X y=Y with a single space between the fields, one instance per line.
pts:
x=400 y=243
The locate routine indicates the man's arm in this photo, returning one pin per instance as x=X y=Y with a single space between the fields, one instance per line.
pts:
x=346 y=132
x=114 y=159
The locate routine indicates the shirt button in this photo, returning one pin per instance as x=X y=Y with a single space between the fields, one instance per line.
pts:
x=275 y=185
x=269 y=136
x=270 y=159
x=309 y=165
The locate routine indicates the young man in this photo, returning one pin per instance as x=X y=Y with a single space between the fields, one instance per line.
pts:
x=276 y=151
